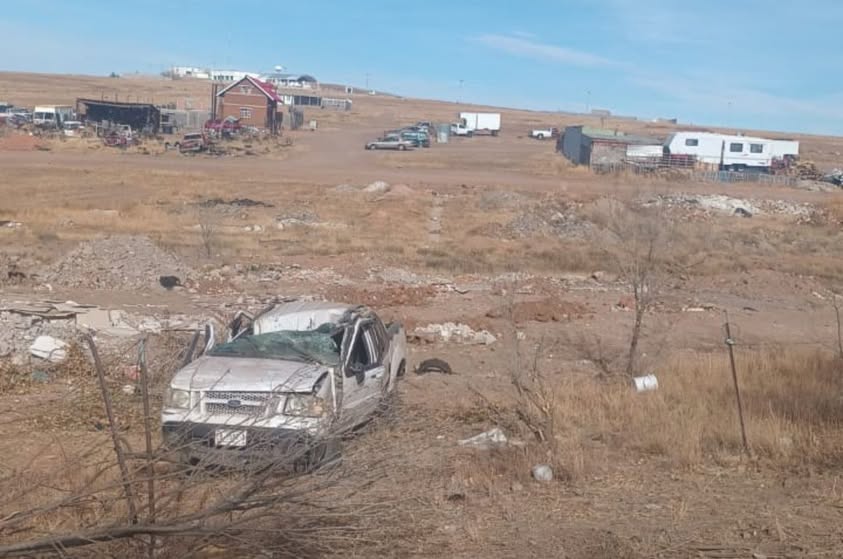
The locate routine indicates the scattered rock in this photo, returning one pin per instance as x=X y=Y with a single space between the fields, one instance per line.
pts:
x=49 y=348
x=39 y=376
x=493 y=438
x=236 y=202
x=377 y=187
x=542 y=472
x=516 y=487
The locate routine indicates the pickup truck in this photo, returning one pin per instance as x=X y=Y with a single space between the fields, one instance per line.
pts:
x=391 y=142
x=544 y=133
x=284 y=387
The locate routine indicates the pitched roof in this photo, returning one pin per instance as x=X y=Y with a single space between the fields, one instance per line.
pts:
x=263 y=87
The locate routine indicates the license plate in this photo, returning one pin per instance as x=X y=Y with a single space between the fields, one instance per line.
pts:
x=230 y=437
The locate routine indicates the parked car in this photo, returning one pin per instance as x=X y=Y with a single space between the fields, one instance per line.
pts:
x=391 y=142
x=284 y=386
x=419 y=139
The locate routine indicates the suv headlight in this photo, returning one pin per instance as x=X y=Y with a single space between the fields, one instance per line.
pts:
x=175 y=398
x=304 y=405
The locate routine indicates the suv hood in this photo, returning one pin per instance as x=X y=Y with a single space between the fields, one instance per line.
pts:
x=248 y=375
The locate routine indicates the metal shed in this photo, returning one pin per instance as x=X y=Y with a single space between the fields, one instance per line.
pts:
x=140 y=116
x=598 y=147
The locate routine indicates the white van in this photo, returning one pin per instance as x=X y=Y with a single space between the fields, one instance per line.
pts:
x=52 y=116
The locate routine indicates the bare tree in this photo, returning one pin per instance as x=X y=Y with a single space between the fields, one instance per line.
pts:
x=641 y=246
x=208 y=232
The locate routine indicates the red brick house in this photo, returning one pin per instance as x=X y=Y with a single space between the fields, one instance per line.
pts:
x=254 y=102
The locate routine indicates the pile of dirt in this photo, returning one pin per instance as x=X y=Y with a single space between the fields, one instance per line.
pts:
x=552 y=219
x=547 y=310
x=116 y=262
x=386 y=297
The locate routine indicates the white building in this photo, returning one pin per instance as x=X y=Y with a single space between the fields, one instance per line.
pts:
x=210 y=74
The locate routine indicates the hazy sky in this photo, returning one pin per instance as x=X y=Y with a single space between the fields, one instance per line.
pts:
x=769 y=64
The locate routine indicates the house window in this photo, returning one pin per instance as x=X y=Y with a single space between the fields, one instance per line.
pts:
x=692 y=142
x=245 y=112
x=736 y=147
x=245 y=89
x=756 y=148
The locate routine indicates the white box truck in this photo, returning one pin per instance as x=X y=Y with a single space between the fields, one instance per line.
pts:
x=480 y=123
x=52 y=116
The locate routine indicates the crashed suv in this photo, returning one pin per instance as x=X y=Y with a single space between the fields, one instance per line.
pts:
x=284 y=386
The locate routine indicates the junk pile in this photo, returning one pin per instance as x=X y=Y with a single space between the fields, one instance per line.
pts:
x=45 y=329
x=117 y=262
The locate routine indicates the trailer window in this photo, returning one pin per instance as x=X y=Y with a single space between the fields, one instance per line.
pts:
x=692 y=142
x=736 y=147
x=756 y=148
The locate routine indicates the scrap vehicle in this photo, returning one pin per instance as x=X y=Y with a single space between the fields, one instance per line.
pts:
x=284 y=386
x=225 y=128
x=120 y=135
x=391 y=141
x=191 y=142
x=544 y=133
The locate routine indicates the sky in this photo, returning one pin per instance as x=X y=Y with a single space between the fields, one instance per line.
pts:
x=743 y=64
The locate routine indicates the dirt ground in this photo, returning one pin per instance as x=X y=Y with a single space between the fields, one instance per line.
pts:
x=502 y=235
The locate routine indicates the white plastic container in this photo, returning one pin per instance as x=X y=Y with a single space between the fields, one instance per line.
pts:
x=646 y=383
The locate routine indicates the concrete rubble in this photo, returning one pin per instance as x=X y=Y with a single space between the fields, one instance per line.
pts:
x=49 y=348
x=41 y=329
x=713 y=204
x=493 y=438
x=453 y=332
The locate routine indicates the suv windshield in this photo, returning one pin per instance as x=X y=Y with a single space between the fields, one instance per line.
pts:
x=305 y=346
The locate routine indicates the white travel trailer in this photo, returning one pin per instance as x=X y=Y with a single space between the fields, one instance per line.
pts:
x=735 y=153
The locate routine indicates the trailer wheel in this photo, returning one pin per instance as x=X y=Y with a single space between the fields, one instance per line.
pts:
x=494 y=132
x=402 y=147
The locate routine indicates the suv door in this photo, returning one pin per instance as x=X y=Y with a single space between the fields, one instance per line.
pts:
x=363 y=375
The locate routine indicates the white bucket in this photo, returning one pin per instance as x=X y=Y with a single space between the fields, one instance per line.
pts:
x=646 y=383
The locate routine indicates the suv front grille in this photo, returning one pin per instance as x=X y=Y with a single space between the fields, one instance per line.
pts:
x=249 y=404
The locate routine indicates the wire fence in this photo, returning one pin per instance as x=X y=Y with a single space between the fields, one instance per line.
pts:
x=689 y=170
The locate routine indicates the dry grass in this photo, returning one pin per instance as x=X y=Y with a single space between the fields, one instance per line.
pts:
x=791 y=404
